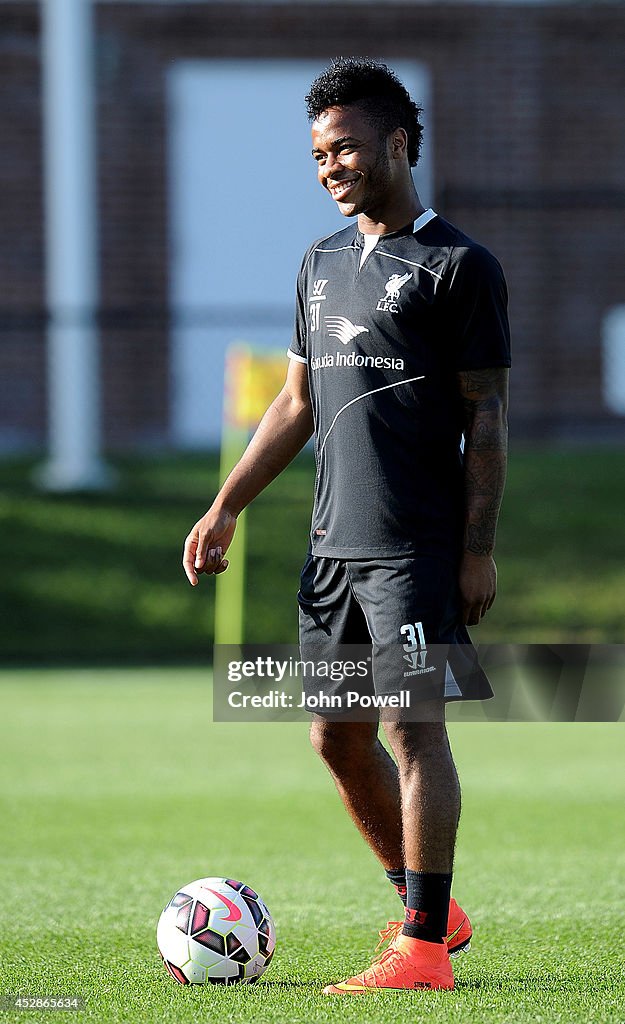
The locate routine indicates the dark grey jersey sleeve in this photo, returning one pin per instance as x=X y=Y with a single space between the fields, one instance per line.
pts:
x=477 y=310
x=297 y=348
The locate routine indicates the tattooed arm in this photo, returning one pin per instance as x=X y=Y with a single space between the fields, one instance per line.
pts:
x=485 y=399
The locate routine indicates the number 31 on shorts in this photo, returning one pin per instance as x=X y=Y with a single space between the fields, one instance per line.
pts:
x=415 y=635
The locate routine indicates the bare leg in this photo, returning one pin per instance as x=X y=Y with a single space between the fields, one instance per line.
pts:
x=429 y=788
x=367 y=781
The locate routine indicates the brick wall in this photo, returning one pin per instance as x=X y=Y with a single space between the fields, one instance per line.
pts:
x=529 y=154
x=22 y=355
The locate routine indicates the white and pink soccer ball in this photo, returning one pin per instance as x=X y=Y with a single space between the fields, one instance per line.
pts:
x=216 y=930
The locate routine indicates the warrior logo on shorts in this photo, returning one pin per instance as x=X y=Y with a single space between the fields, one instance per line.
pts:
x=416 y=649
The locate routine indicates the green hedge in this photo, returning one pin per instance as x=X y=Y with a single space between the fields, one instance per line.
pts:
x=98 y=577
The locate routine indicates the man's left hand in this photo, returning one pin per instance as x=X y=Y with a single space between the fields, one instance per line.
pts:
x=478 y=586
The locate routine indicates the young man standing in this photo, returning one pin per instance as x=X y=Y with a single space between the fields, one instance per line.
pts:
x=400 y=352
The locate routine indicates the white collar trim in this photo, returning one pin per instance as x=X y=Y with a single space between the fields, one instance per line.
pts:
x=424 y=219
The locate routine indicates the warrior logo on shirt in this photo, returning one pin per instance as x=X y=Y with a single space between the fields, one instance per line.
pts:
x=392 y=289
x=315 y=301
x=318 y=286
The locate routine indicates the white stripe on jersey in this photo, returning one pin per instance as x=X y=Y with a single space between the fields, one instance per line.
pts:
x=409 y=380
x=340 y=249
x=381 y=252
x=294 y=355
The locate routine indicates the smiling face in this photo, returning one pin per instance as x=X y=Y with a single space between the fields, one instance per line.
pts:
x=358 y=166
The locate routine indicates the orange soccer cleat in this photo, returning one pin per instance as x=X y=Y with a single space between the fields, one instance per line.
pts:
x=407 y=964
x=459 y=932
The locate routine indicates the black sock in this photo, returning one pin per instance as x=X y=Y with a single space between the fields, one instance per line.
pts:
x=427 y=905
x=398 y=877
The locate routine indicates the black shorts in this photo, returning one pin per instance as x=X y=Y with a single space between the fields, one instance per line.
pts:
x=405 y=612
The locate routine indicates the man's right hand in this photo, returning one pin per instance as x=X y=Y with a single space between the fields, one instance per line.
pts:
x=206 y=545
x=281 y=434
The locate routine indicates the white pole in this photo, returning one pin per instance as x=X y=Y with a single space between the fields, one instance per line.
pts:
x=71 y=248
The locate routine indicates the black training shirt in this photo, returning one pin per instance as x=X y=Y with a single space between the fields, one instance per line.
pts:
x=383 y=343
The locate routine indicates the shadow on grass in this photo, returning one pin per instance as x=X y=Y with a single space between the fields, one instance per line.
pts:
x=537 y=983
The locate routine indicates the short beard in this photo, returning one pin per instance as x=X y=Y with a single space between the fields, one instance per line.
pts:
x=380 y=179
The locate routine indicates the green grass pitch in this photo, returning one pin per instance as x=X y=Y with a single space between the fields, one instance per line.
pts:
x=116 y=788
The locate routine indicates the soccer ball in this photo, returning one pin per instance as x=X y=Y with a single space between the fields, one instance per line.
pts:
x=216 y=930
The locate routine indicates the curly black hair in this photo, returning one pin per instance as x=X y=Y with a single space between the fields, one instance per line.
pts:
x=373 y=87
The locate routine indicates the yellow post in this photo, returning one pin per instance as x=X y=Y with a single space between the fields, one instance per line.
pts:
x=252 y=380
